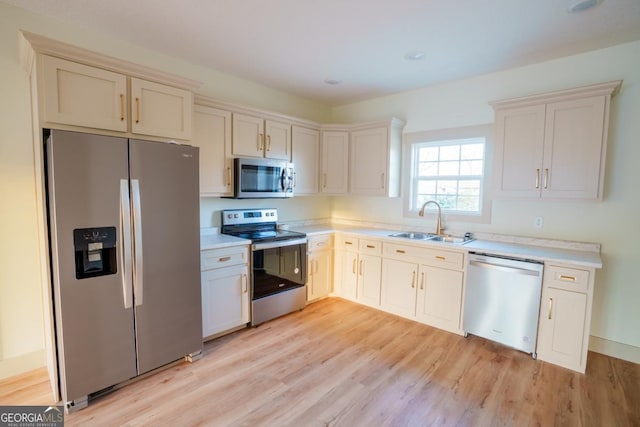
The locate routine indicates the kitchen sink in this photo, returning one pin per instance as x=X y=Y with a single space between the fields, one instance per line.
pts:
x=451 y=239
x=432 y=237
x=413 y=235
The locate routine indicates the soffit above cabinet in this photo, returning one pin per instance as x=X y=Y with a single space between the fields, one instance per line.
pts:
x=31 y=44
x=608 y=88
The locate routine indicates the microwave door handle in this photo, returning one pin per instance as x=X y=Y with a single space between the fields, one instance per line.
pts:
x=283 y=177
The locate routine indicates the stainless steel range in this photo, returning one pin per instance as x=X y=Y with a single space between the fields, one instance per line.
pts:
x=278 y=262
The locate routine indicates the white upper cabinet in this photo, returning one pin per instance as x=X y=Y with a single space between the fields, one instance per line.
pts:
x=257 y=137
x=335 y=162
x=160 y=110
x=79 y=95
x=374 y=158
x=212 y=133
x=553 y=145
x=306 y=154
x=75 y=94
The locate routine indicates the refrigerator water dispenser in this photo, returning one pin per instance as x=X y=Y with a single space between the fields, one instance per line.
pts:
x=95 y=251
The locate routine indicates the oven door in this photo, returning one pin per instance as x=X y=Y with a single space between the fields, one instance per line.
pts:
x=278 y=267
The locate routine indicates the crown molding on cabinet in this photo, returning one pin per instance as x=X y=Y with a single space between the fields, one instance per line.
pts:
x=608 y=88
x=31 y=44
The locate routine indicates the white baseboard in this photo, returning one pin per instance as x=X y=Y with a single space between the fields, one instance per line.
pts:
x=615 y=349
x=23 y=363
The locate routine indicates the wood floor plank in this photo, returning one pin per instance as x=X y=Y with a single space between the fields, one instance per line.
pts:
x=337 y=363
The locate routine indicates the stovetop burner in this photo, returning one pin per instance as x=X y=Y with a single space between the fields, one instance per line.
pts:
x=258 y=225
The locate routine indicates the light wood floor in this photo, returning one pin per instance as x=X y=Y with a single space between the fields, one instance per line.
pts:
x=341 y=364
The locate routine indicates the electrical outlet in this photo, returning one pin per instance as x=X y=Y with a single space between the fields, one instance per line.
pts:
x=537 y=222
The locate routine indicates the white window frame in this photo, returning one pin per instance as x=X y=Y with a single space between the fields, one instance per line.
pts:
x=413 y=138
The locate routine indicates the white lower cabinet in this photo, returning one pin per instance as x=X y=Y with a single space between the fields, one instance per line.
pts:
x=439 y=301
x=399 y=287
x=565 y=316
x=225 y=290
x=320 y=266
x=423 y=284
x=358 y=269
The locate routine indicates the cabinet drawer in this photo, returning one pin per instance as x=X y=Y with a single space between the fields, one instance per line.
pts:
x=573 y=279
x=224 y=257
x=346 y=243
x=371 y=247
x=424 y=255
x=323 y=241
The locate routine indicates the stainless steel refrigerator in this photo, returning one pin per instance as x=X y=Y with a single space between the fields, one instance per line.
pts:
x=125 y=260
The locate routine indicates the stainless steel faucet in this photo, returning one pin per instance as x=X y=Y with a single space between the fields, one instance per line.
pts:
x=439 y=223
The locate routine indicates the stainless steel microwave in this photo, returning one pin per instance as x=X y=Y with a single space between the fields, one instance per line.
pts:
x=262 y=178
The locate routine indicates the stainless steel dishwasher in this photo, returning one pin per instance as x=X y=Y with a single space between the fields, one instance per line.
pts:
x=502 y=300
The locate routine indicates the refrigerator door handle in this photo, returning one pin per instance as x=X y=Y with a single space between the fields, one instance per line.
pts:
x=137 y=243
x=125 y=245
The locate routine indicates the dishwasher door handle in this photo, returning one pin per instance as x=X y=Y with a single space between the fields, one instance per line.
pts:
x=510 y=269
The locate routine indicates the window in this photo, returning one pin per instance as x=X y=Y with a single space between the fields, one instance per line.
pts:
x=448 y=167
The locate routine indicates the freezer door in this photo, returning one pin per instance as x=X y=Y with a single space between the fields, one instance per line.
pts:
x=93 y=313
x=167 y=293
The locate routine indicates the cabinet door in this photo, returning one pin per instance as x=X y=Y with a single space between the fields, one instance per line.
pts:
x=573 y=149
x=278 y=140
x=561 y=333
x=347 y=274
x=399 y=281
x=225 y=299
x=212 y=133
x=306 y=159
x=369 y=155
x=248 y=136
x=369 y=279
x=335 y=162
x=440 y=297
x=320 y=274
x=160 y=110
x=79 y=95
x=518 y=151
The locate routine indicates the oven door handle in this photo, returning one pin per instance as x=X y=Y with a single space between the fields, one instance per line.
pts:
x=278 y=244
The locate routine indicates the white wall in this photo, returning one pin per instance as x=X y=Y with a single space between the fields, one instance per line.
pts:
x=614 y=222
x=21 y=312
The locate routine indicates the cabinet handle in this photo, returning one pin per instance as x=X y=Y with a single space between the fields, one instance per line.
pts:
x=348 y=243
x=413 y=279
x=361 y=266
x=245 y=288
x=422 y=280
x=228 y=176
x=371 y=246
x=546 y=178
x=550 y=307
x=354 y=266
x=260 y=136
x=137 y=110
x=324 y=180
x=224 y=259
x=537 y=178
x=441 y=258
x=400 y=251
x=568 y=278
x=310 y=268
x=268 y=142
x=295 y=179
x=382 y=180
x=122 y=107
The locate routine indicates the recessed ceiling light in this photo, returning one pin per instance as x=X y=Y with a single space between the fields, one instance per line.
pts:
x=332 y=82
x=414 y=55
x=580 y=5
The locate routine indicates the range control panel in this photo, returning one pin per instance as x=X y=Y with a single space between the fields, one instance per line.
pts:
x=249 y=216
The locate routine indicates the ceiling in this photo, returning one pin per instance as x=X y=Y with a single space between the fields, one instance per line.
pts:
x=295 y=45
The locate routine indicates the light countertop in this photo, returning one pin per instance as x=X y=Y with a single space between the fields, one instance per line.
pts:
x=564 y=255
